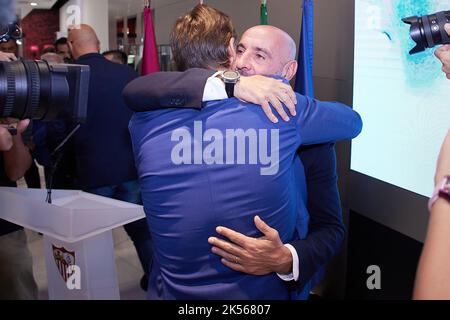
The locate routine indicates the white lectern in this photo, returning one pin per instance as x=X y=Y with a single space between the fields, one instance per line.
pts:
x=77 y=229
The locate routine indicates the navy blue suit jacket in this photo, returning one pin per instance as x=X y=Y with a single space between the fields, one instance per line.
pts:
x=326 y=228
x=103 y=149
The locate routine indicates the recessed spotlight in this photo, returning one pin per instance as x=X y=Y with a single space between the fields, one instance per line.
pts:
x=33 y=4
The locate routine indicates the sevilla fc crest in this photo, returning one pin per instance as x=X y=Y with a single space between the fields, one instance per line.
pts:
x=63 y=259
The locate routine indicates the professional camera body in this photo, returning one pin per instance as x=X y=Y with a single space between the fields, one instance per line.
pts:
x=428 y=31
x=9 y=29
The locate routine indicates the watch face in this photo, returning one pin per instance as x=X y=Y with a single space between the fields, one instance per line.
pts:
x=231 y=75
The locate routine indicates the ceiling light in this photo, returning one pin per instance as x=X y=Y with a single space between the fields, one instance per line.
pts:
x=33 y=4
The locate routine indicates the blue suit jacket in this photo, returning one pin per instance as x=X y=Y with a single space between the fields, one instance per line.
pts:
x=325 y=228
x=184 y=267
x=102 y=144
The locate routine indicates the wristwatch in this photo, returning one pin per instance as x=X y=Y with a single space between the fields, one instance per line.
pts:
x=442 y=191
x=230 y=78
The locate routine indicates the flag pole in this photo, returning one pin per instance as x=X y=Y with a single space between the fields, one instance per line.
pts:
x=264 y=14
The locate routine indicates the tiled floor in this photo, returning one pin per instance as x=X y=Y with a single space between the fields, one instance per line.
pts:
x=128 y=266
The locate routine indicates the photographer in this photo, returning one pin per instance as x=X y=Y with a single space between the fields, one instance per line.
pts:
x=16 y=267
x=443 y=54
x=11 y=49
x=16 y=272
x=433 y=280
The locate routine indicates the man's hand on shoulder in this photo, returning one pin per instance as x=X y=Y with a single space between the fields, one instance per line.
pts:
x=256 y=256
x=265 y=91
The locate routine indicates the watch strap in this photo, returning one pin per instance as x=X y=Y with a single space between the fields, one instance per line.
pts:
x=229 y=88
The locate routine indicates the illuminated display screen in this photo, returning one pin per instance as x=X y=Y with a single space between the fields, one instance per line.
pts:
x=404 y=99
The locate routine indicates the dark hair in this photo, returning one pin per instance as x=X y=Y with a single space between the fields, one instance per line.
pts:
x=201 y=38
x=118 y=56
x=60 y=41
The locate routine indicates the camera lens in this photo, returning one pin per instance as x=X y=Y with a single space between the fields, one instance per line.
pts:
x=428 y=31
x=31 y=90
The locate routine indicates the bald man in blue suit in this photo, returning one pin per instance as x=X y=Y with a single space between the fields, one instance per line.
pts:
x=231 y=192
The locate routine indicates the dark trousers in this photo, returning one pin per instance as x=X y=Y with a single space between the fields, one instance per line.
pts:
x=32 y=177
x=138 y=231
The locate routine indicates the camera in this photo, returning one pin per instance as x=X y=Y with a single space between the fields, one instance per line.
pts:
x=38 y=90
x=428 y=31
x=41 y=91
x=9 y=29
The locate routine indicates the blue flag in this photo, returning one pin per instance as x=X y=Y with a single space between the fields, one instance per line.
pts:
x=305 y=86
x=304 y=80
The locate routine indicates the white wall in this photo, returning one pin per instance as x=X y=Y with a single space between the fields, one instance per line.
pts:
x=94 y=13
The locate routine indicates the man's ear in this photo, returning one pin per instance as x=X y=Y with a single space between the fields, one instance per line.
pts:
x=290 y=69
x=232 y=49
x=69 y=43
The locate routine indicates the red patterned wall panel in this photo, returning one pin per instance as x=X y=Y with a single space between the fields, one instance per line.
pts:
x=39 y=28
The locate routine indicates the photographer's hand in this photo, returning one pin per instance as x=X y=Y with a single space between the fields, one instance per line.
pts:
x=6 y=141
x=443 y=54
x=7 y=56
x=17 y=160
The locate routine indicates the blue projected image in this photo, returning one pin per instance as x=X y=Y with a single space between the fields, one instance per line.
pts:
x=403 y=99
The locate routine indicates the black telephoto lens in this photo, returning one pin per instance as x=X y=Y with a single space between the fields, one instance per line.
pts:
x=40 y=91
x=31 y=90
x=428 y=31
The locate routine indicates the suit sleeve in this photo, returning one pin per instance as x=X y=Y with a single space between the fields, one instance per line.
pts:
x=326 y=227
x=167 y=90
x=324 y=122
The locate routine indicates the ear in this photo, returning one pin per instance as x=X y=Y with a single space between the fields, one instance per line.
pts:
x=232 y=50
x=290 y=69
x=69 y=43
x=98 y=46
